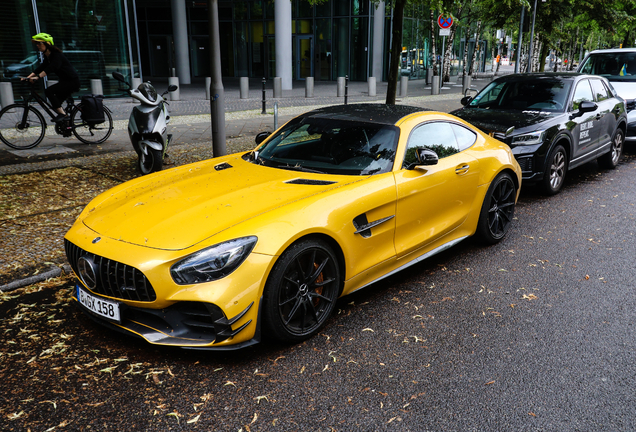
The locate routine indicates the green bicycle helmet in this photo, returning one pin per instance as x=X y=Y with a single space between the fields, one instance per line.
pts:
x=43 y=37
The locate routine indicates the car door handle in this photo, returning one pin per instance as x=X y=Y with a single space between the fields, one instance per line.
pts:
x=462 y=169
x=598 y=116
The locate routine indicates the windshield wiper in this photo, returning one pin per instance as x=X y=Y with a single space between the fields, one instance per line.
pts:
x=301 y=168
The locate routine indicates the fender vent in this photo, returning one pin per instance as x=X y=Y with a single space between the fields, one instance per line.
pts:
x=310 y=182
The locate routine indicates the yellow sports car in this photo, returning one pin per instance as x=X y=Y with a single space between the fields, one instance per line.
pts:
x=215 y=254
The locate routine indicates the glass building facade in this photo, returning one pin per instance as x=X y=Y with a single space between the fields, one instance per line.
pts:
x=136 y=37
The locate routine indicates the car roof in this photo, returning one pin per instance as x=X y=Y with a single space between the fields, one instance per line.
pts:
x=613 y=50
x=368 y=112
x=546 y=75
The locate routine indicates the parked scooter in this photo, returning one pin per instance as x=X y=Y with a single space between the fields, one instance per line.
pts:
x=148 y=125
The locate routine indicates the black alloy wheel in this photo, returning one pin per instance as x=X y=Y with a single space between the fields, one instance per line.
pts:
x=497 y=210
x=610 y=159
x=556 y=169
x=301 y=291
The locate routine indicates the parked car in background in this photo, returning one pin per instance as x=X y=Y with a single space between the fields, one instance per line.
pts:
x=23 y=68
x=619 y=67
x=213 y=254
x=552 y=121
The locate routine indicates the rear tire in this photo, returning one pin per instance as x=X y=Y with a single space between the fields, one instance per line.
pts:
x=11 y=132
x=497 y=210
x=556 y=168
x=91 y=133
x=610 y=159
x=151 y=162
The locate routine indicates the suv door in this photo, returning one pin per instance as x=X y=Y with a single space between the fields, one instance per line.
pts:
x=586 y=127
x=607 y=105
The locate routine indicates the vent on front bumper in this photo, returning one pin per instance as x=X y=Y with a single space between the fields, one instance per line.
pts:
x=114 y=279
x=525 y=163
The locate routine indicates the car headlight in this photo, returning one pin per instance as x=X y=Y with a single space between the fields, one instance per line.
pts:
x=214 y=262
x=528 y=139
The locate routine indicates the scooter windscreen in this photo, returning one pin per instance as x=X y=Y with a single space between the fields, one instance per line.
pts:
x=148 y=91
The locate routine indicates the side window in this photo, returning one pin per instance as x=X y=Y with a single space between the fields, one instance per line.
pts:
x=436 y=136
x=599 y=90
x=582 y=93
x=465 y=137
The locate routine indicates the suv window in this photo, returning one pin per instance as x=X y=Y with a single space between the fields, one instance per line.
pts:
x=599 y=89
x=615 y=66
x=582 y=93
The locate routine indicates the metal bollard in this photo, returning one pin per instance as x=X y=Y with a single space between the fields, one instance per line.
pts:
x=264 y=103
x=6 y=94
x=245 y=87
x=346 y=87
x=278 y=87
x=174 y=96
x=372 y=86
x=208 y=84
x=435 y=85
x=309 y=87
x=96 y=87
x=465 y=83
x=404 y=83
x=340 y=85
x=275 y=115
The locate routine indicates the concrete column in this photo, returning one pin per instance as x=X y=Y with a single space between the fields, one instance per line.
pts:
x=309 y=87
x=278 y=87
x=245 y=87
x=435 y=85
x=340 y=87
x=378 y=39
x=283 y=38
x=174 y=96
x=6 y=94
x=180 y=35
x=372 y=86
x=404 y=85
x=96 y=87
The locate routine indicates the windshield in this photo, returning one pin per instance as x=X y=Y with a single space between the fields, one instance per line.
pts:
x=544 y=94
x=327 y=145
x=618 y=66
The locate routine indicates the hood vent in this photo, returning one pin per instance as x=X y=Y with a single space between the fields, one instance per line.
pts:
x=222 y=166
x=310 y=182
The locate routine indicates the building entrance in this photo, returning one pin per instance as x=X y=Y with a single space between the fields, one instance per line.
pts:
x=304 y=57
x=161 y=56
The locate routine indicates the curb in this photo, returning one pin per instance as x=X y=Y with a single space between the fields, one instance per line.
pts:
x=53 y=272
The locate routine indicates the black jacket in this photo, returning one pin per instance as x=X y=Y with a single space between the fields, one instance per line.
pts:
x=56 y=63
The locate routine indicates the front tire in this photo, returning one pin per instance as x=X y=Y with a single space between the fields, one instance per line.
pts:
x=151 y=162
x=89 y=133
x=301 y=291
x=610 y=159
x=556 y=169
x=497 y=210
x=16 y=135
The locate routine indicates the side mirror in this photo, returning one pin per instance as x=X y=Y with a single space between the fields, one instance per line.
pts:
x=260 y=137
x=426 y=157
x=466 y=100
x=469 y=95
x=587 y=106
x=119 y=77
x=172 y=88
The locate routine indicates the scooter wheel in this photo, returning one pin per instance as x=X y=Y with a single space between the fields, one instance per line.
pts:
x=151 y=162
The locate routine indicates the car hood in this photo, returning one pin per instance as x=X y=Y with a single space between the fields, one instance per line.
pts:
x=500 y=121
x=178 y=208
x=626 y=90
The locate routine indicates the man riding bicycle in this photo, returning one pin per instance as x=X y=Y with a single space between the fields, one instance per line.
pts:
x=55 y=62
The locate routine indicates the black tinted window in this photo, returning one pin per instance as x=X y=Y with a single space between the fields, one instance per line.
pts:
x=525 y=93
x=582 y=93
x=600 y=92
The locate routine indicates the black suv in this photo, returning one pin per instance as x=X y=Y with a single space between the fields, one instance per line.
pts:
x=552 y=121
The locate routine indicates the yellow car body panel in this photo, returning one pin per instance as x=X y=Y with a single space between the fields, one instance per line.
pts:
x=153 y=222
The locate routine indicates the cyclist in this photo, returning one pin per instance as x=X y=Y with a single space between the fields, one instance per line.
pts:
x=55 y=62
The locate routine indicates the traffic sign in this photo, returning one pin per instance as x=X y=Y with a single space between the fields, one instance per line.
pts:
x=444 y=21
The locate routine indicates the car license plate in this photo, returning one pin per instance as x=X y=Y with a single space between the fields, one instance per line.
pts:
x=100 y=306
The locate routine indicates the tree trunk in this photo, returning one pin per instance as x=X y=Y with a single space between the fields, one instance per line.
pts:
x=471 y=71
x=396 y=52
x=492 y=54
x=433 y=43
x=449 y=47
x=465 y=60
x=542 y=55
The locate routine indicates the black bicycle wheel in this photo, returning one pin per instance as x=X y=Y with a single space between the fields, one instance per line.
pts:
x=90 y=133
x=19 y=135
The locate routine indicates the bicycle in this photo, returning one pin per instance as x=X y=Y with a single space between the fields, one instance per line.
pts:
x=23 y=127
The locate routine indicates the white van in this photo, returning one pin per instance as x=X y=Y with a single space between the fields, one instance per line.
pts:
x=619 y=67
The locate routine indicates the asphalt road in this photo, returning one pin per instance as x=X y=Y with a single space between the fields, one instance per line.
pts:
x=535 y=333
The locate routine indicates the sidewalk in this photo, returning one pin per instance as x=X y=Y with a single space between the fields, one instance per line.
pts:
x=191 y=124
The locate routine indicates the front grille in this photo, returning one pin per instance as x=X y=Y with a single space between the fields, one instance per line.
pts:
x=114 y=279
